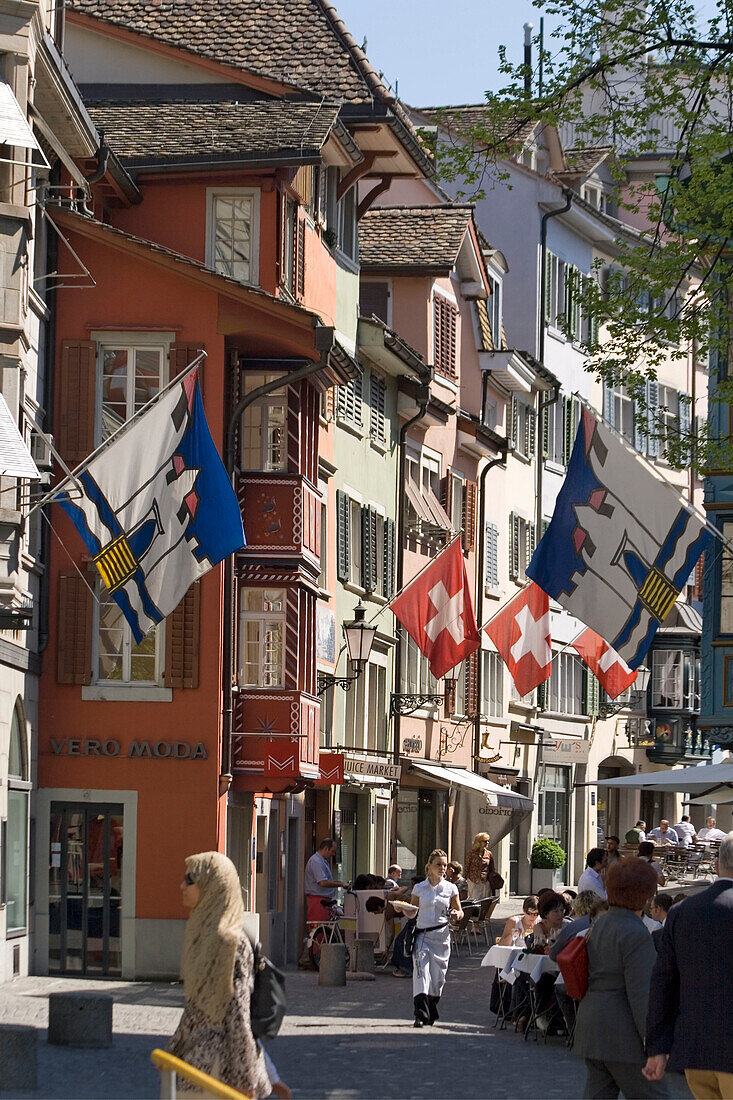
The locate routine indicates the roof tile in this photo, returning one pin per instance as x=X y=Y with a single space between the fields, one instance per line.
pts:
x=412 y=236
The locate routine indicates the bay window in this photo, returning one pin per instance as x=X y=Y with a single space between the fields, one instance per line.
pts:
x=262 y=637
x=667 y=679
x=264 y=427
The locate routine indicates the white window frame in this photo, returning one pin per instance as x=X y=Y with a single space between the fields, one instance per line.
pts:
x=668 y=420
x=623 y=404
x=565 y=687
x=130 y=342
x=263 y=618
x=270 y=400
x=125 y=684
x=492 y=684
x=660 y=681
x=494 y=310
x=212 y=193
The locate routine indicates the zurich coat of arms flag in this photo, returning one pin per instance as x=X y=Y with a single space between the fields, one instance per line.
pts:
x=158 y=509
x=621 y=543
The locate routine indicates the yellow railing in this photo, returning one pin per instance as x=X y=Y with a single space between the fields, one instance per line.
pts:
x=170 y=1067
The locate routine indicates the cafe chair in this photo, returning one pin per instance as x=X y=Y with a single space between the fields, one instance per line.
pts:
x=481 y=921
x=459 y=934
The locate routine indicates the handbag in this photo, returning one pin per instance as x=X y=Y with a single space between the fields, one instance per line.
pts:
x=268 y=1003
x=411 y=931
x=495 y=882
x=573 y=963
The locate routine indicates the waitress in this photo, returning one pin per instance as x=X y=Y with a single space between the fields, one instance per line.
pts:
x=438 y=903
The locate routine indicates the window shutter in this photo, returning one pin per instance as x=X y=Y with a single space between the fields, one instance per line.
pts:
x=591 y=694
x=514 y=545
x=546 y=413
x=514 y=420
x=374 y=300
x=548 y=287
x=446 y=495
x=369 y=549
x=299 y=251
x=75 y=624
x=484 y=324
x=529 y=534
x=182 y=632
x=75 y=422
x=652 y=402
x=471 y=665
x=569 y=429
x=444 y=336
x=531 y=431
x=468 y=535
x=449 y=704
x=342 y=535
x=542 y=695
x=378 y=408
x=389 y=558
x=179 y=357
x=698 y=588
x=491 y=565
x=609 y=407
x=684 y=407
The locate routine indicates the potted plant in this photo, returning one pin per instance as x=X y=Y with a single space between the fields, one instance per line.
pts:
x=547 y=858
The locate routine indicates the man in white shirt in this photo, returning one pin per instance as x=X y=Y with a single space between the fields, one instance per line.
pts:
x=710 y=832
x=663 y=834
x=319 y=883
x=591 y=877
x=685 y=831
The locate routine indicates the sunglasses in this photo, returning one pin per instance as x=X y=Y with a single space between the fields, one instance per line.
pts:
x=188 y=879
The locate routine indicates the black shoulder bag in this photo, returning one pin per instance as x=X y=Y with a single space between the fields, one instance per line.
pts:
x=411 y=931
x=268 y=1003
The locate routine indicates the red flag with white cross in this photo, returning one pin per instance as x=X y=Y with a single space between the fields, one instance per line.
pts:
x=436 y=611
x=611 y=671
x=521 y=633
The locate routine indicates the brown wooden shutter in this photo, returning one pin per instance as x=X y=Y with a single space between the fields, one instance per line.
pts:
x=472 y=684
x=299 y=250
x=74 y=659
x=182 y=628
x=444 y=333
x=468 y=537
x=446 y=495
x=449 y=700
x=75 y=423
x=179 y=357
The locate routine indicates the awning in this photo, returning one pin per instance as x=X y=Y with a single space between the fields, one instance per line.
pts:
x=481 y=806
x=14 y=128
x=428 y=508
x=15 y=458
x=707 y=780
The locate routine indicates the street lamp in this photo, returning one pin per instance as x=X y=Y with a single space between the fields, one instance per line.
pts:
x=636 y=695
x=359 y=638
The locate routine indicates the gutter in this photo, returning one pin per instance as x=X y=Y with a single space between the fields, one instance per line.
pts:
x=324 y=340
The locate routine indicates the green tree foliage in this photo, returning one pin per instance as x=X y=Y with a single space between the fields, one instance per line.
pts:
x=655 y=82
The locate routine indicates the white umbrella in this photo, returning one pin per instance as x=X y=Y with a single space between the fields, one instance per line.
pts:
x=707 y=783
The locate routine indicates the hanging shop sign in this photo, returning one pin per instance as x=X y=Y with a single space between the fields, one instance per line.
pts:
x=412 y=744
x=566 y=751
x=153 y=750
x=362 y=767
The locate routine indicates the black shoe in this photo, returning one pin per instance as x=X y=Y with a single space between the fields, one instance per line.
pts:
x=418 y=1023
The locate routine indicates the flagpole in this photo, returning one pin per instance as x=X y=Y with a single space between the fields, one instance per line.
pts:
x=72 y=475
x=657 y=474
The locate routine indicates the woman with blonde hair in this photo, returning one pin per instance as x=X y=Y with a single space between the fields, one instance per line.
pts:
x=437 y=902
x=479 y=868
x=215 y=1033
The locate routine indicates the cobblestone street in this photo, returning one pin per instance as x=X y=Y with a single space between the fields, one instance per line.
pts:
x=340 y=1044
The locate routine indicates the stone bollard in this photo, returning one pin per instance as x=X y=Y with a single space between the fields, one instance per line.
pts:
x=80 y=1019
x=332 y=968
x=18 y=1057
x=362 y=957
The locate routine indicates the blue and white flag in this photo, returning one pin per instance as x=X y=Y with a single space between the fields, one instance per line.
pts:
x=158 y=509
x=621 y=543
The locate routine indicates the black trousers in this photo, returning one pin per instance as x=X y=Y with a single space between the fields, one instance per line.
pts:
x=605 y=1080
x=426 y=1008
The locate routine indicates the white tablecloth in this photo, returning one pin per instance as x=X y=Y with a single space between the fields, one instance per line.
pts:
x=499 y=956
x=535 y=966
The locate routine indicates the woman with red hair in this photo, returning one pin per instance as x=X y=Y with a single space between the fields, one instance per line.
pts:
x=612 y=1016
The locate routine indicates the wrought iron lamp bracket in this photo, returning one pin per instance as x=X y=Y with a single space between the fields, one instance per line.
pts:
x=407 y=704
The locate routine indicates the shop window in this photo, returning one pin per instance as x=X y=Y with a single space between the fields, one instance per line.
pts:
x=667 y=679
x=118 y=658
x=262 y=637
x=264 y=427
x=233 y=233
x=15 y=847
x=131 y=375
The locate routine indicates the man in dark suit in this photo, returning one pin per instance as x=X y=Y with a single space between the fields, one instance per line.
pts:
x=691 y=996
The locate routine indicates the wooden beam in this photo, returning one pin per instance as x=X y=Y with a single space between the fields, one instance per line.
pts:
x=369 y=198
x=356 y=173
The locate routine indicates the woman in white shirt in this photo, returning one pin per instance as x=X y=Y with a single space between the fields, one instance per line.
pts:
x=519 y=926
x=437 y=902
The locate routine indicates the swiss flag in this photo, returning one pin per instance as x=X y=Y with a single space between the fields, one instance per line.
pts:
x=436 y=611
x=521 y=633
x=611 y=671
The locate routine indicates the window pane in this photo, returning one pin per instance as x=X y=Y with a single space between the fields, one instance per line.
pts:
x=111 y=638
x=250 y=653
x=272 y=654
x=232 y=247
x=147 y=375
x=17 y=755
x=142 y=659
x=726 y=585
x=114 y=390
x=17 y=857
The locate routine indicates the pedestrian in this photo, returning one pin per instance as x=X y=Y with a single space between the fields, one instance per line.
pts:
x=319 y=884
x=479 y=868
x=659 y=909
x=611 y=1020
x=685 y=831
x=394 y=874
x=437 y=900
x=664 y=835
x=214 y=1034
x=612 y=852
x=691 y=1002
x=646 y=852
x=635 y=836
x=591 y=877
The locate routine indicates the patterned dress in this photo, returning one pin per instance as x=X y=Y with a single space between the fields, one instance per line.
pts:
x=227 y=1051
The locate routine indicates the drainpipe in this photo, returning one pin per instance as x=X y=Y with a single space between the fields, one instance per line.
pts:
x=52 y=250
x=480 y=568
x=541 y=342
x=324 y=343
x=423 y=399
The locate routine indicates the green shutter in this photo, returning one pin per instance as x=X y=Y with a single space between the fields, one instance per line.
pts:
x=548 y=287
x=342 y=535
x=389 y=558
x=368 y=549
x=542 y=695
x=591 y=694
x=514 y=545
x=567 y=441
x=546 y=430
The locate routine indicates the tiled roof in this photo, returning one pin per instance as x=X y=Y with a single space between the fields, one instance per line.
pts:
x=412 y=236
x=299 y=42
x=583 y=161
x=167 y=131
x=467 y=117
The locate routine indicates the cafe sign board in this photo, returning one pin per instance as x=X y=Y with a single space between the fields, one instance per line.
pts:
x=565 y=750
x=366 y=768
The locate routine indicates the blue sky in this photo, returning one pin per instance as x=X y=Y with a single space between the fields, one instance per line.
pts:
x=443 y=53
